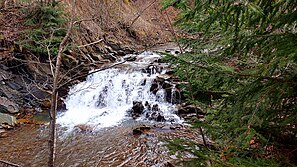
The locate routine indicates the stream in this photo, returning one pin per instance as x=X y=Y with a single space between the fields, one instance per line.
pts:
x=97 y=128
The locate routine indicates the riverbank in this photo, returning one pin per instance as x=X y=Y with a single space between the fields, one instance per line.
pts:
x=107 y=31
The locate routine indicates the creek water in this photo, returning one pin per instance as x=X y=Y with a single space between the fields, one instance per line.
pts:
x=101 y=103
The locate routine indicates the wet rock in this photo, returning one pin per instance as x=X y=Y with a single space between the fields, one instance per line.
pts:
x=137 y=107
x=151 y=112
x=140 y=130
x=154 y=87
x=168 y=84
x=61 y=106
x=127 y=50
x=160 y=118
x=152 y=69
x=186 y=109
x=9 y=106
x=84 y=127
x=164 y=77
x=130 y=57
x=136 y=110
x=155 y=107
x=6 y=119
x=168 y=50
x=143 y=82
x=154 y=113
x=147 y=105
x=169 y=72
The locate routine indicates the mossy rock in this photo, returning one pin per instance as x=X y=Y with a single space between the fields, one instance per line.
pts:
x=7 y=119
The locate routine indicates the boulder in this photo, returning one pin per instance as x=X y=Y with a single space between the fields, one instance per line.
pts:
x=186 y=109
x=140 y=130
x=136 y=110
x=154 y=113
x=137 y=107
x=169 y=84
x=84 y=127
x=7 y=119
x=156 y=116
x=8 y=106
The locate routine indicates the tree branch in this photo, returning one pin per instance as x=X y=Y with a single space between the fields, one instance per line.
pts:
x=84 y=75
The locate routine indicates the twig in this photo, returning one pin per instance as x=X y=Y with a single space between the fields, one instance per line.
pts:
x=134 y=20
x=84 y=75
x=91 y=43
x=9 y=163
x=173 y=33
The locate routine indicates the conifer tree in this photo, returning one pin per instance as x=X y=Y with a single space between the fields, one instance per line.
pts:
x=242 y=68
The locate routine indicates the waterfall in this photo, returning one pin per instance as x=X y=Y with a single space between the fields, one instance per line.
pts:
x=105 y=97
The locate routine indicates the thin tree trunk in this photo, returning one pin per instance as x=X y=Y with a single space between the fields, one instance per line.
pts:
x=53 y=111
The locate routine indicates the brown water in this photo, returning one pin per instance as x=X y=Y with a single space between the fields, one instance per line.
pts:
x=117 y=146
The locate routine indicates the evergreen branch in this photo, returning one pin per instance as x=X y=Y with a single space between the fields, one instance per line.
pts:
x=266 y=78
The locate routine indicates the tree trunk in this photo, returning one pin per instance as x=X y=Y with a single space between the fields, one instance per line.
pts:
x=53 y=111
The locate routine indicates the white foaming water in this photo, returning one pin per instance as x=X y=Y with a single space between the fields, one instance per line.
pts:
x=104 y=98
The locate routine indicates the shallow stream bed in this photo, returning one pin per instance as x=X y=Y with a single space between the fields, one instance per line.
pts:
x=116 y=146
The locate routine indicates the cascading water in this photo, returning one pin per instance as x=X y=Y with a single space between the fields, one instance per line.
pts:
x=102 y=101
x=105 y=97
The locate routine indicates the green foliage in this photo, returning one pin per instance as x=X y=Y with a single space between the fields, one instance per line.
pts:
x=242 y=69
x=48 y=29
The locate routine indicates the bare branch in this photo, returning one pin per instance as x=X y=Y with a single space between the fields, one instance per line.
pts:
x=140 y=13
x=91 y=43
x=9 y=163
x=84 y=75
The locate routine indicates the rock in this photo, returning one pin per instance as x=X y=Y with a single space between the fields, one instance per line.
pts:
x=136 y=110
x=168 y=164
x=7 y=119
x=168 y=50
x=127 y=50
x=160 y=118
x=147 y=105
x=9 y=106
x=140 y=130
x=154 y=87
x=14 y=85
x=152 y=69
x=130 y=57
x=46 y=104
x=164 y=77
x=155 y=107
x=186 y=109
x=143 y=82
x=84 y=127
x=169 y=84
x=137 y=107
x=154 y=113
x=37 y=92
x=136 y=132
x=3 y=133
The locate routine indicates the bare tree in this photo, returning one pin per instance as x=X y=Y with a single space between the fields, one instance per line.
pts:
x=54 y=96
